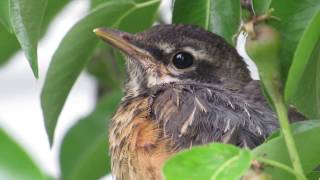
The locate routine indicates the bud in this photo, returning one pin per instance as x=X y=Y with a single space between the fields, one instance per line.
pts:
x=263 y=44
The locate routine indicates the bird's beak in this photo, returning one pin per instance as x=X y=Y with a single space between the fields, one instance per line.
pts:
x=119 y=39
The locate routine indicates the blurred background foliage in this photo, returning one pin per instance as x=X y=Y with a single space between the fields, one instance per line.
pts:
x=83 y=153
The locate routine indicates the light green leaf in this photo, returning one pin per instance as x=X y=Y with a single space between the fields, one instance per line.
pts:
x=15 y=164
x=219 y=16
x=84 y=150
x=26 y=17
x=4 y=14
x=306 y=135
x=303 y=84
x=75 y=49
x=214 y=161
x=294 y=18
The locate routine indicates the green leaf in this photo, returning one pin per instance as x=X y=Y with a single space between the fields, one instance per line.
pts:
x=214 y=161
x=4 y=14
x=294 y=18
x=306 y=135
x=303 y=84
x=53 y=8
x=314 y=175
x=8 y=45
x=15 y=163
x=84 y=150
x=26 y=17
x=75 y=49
x=219 y=16
x=261 y=7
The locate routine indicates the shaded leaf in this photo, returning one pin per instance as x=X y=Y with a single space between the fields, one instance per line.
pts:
x=307 y=141
x=303 y=84
x=293 y=20
x=15 y=163
x=53 y=8
x=8 y=45
x=219 y=16
x=214 y=161
x=84 y=150
x=314 y=175
x=74 y=51
x=26 y=17
x=4 y=14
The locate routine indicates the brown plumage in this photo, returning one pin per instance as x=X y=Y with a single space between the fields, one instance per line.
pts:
x=185 y=87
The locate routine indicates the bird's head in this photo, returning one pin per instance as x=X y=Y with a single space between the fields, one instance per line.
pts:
x=177 y=53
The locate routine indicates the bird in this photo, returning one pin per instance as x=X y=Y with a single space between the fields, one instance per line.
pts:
x=185 y=87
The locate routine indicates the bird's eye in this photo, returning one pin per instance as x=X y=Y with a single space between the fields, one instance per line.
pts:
x=182 y=60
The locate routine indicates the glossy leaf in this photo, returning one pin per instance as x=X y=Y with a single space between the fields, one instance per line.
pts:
x=293 y=20
x=26 y=17
x=4 y=14
x=84 y=150
x=261 y=7
x=214 y=161
x=15 y=163
x=306 y=135
x=8 y=45
x=75 y=49
x=303 y=85
x=219 y=16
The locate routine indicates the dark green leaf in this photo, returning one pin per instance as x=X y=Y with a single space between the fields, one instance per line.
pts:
x=75 y=49
x=214 y=161
x=219 y=16
x=15 y=164
x=104 y=67
x=314 y=175
x=26 y=17
x=8 y=45
x=84 y=150
x=4 y=14
x=303 y=84
x=53 y=8
x=261 y=6
x=294 y=18
x=306 y=135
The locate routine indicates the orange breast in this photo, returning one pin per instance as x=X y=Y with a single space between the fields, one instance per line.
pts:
x=137 y=145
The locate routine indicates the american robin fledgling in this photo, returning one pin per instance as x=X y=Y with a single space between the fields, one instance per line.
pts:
x=186 y=87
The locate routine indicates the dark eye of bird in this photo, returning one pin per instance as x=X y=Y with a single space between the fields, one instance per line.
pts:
x=182 y=60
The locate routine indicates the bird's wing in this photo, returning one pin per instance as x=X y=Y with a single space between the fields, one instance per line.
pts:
x=194 y=115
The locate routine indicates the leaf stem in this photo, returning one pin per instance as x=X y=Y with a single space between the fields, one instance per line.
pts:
x=280 y=166
x=287 y=133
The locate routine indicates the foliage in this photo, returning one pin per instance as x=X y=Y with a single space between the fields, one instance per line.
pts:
x=83 y=152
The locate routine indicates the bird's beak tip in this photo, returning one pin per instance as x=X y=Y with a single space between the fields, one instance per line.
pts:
x=95 y=30
x=99 y=31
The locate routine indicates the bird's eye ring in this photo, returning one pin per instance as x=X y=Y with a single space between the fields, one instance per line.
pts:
x=182 y=60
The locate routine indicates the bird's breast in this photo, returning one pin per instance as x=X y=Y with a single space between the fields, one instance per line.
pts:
x=148 y=129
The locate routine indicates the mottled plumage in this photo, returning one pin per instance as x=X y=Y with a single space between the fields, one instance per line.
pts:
x=185 y=87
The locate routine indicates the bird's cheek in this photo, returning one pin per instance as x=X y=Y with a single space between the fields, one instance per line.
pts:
x=154 y=80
